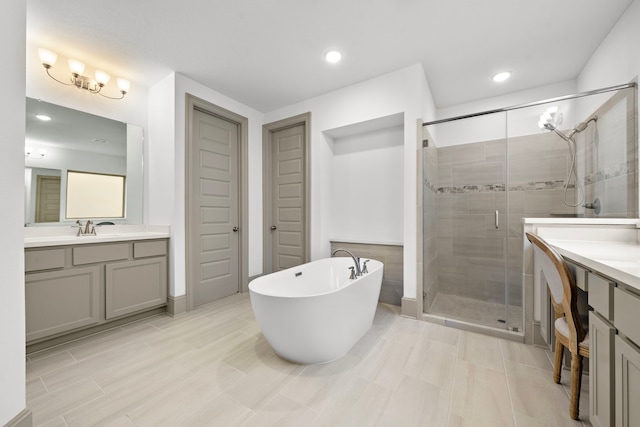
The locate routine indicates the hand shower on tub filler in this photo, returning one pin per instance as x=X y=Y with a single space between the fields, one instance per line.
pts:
x=356 y=270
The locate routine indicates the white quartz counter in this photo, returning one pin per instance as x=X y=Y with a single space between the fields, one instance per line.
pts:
x=616 y=259
x=65 y=235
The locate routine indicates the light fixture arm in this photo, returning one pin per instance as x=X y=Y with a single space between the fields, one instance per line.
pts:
x=48 y=67
x=123 y=93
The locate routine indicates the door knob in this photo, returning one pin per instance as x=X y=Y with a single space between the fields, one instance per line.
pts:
x=273 y=227
x=235 y=229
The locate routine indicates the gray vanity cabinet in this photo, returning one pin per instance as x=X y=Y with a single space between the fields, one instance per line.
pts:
x=614 y=355
x=75 y=287
x=139 y=284
x=60 y=301
x=627 y=358
x=601 y=371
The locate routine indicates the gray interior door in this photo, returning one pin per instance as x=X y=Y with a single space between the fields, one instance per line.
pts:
x=288 y=198
x=215 y=218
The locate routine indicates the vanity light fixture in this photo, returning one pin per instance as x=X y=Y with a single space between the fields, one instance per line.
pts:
x=501 y=76
x=28 y=153
x=43 y=117
x=49 y=58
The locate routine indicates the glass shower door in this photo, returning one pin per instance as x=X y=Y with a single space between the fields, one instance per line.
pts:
x=466 y=221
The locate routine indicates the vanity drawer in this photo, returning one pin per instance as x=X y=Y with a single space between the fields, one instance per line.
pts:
x=148 y=249
x=601 y=295
x=91 y=254
x=627 y=306
x=45 y=259
x=580 y=275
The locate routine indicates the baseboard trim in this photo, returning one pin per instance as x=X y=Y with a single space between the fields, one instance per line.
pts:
x=23 y=419
x=409 y=307
x=176 y=305
x=65 y=337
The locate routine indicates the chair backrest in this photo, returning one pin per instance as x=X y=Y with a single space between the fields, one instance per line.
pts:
x=562 y=285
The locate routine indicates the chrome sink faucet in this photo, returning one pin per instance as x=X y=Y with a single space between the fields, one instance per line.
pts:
x=356 y=261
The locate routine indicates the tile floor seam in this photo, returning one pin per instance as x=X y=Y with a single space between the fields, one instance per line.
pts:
x=506 y=378
x=454 y=377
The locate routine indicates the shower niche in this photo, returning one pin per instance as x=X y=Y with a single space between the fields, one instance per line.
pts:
x=570 y=157
x=367 y=195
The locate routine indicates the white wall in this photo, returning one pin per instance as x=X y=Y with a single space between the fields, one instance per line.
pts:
x=403 y=91
x=367 y=187
x=617 y=59
x=166 y=154
x=12 y=111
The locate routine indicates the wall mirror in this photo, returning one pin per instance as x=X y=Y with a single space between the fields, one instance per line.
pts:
x=61 y=142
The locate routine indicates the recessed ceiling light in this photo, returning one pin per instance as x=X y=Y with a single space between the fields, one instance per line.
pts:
x=333 y=56
x=502 y=76
x=43 y=117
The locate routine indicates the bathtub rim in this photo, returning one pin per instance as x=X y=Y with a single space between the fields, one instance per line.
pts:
x=348 y=282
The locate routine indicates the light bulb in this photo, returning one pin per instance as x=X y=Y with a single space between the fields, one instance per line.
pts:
x=333 y=56
x=124 y=85
x=500 y=77
x=102 y=78
x=76 y=67
x=47 y=57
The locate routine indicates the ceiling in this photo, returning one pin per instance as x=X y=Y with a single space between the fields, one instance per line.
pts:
x=268 y=54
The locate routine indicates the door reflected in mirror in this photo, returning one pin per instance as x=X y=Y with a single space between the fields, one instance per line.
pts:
x=77 y=141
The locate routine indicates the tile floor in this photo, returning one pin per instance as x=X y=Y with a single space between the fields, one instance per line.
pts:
x=213 y=367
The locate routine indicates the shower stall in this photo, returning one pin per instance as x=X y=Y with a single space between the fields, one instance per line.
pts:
x=568 y=157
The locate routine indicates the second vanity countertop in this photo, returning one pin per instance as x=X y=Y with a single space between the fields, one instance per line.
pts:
x=35 y=237
x=618 y=260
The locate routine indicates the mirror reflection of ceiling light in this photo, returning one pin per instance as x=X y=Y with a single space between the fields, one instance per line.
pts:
x=43 y=117
x=49 y=58
x=333 y=56
x=502 y=76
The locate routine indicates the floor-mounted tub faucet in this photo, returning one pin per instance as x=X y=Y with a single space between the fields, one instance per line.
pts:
x=356 y=261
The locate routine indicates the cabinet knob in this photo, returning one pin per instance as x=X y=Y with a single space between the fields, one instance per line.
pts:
x=273 y=227
x=235 y=229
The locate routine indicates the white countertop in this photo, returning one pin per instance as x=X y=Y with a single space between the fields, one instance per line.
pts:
x=35 y=237
x=618 y=260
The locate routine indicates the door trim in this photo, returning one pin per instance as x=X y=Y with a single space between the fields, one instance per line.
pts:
x=194 y=103
x=267 y=140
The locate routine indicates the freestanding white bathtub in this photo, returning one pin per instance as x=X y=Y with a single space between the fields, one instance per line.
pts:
x=314 y=313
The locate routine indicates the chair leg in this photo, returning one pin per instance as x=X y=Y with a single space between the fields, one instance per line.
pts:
x=557 y=366
x=576 y=382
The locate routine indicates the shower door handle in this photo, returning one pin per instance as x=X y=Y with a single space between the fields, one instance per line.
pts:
x=496 y=218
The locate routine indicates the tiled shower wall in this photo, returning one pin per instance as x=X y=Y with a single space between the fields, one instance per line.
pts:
x=471 y=186
x=607 y=155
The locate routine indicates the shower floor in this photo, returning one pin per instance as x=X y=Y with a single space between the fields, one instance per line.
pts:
x=476 y=311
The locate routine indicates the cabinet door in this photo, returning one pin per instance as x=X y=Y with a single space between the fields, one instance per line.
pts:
x=601 y=371
x=132 y=286
x=627 y=383
x=59 y=301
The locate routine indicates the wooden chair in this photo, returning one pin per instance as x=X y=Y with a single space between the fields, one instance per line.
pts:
x=569 y=329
